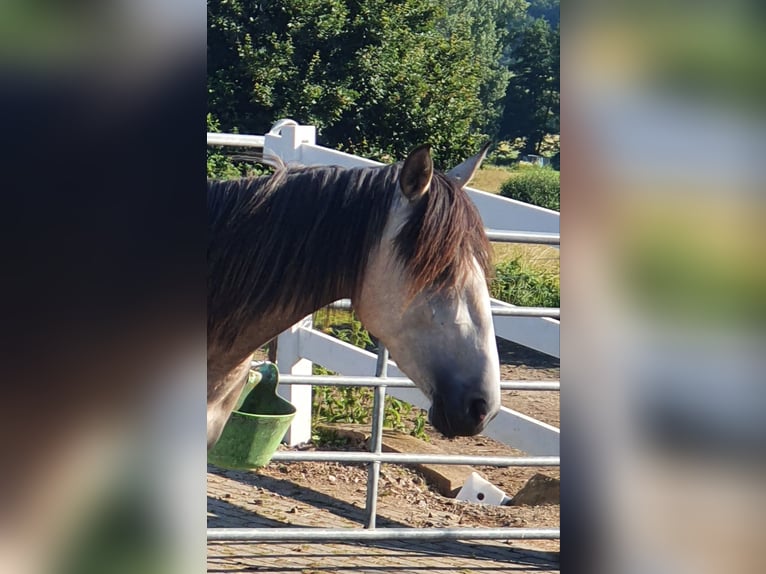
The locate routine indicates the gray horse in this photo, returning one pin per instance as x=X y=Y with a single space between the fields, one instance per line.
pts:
x=404 y=242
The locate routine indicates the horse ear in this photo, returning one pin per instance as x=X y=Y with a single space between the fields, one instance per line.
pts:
x=464 y=172
x=417 y=172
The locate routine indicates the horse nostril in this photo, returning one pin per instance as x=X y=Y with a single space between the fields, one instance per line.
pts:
x=478 y=409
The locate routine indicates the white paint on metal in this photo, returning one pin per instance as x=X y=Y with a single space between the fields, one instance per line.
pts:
x=237 y=140
x=501 y=213
x=538 y=333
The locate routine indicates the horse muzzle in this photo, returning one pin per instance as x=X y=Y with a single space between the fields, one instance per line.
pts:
x=467 y=416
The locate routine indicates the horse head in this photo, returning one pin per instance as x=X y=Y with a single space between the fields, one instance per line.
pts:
x=424 y=294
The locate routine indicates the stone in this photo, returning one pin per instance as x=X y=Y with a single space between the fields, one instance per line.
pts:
x=539 y=490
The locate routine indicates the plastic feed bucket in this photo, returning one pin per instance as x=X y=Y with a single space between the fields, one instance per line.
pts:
x=257 y=425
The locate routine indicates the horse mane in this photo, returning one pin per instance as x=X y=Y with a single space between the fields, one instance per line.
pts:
x=441 y=238
x=296 y=239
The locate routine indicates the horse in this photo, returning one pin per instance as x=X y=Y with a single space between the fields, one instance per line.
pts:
x=404 y=242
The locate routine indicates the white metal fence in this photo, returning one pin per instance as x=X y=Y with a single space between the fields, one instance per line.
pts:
x=301 y=345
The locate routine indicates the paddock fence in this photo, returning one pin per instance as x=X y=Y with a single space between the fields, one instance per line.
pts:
x=300 y=346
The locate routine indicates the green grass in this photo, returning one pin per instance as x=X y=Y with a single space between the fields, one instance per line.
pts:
x=540 y=258
x=520 y=284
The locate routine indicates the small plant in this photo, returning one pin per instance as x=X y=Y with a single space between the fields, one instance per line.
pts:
x=419 y=430
x=536 y=185
x=320 y=370
x=355 y=404
x=520 y=285
x=355 y=334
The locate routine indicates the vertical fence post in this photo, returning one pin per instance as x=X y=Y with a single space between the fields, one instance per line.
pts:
x=289 y=359
x=376 y=437
x=286 y=138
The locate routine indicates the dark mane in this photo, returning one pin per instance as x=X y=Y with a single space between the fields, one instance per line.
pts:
x=299 y=238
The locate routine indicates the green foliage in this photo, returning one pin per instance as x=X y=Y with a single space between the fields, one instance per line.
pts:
x=220 y=166
x=355 y=334
x=532 y=101
x=376 y=77
x=536 y=185
x=504 y=153
x=354 y=405
x=520 y=285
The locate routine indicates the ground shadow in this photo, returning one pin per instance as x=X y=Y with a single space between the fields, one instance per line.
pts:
x=520 y=356
x=228 y=515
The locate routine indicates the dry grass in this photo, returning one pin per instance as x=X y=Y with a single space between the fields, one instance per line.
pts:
x=490 y=178
x=543 y=258
x=540 y=257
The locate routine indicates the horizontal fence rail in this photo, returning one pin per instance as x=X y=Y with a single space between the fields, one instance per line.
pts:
x=402 y=383
x=523 y=237
x=357 y=534
x=235 y=140
x=550 y=312
x=406 y=458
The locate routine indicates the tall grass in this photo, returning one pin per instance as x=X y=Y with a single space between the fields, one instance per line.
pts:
x=520 y=284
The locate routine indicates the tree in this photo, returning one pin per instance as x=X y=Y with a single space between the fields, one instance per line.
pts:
x=532 y=99
x=376 y=77
x=490 y=22
x=273 y=59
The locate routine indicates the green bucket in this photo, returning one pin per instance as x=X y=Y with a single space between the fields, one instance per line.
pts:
x=257 y=425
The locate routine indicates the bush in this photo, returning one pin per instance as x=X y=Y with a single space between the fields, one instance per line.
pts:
x=518 y=285
x=536 y=185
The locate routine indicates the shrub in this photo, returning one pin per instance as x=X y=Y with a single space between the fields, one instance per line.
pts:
x=536 y=185
x=519 y=285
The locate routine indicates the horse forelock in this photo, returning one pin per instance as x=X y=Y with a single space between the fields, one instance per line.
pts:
x=442 y=238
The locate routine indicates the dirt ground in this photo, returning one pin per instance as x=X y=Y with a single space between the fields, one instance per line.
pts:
x=404 y=493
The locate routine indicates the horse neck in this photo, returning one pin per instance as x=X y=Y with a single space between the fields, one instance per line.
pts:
x=329 y=222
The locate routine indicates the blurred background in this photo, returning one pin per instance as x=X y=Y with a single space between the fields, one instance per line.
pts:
x=102 y=297
x=663 y=280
